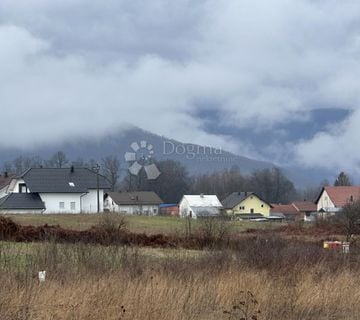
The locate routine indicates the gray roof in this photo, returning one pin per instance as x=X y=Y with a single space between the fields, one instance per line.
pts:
x=235 y=198
x=22 y=201
x=135 y=198
x=63 y=180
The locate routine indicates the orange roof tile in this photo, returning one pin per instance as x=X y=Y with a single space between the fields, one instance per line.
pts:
x=305 y=206
x=342 y=195
x=284 y=208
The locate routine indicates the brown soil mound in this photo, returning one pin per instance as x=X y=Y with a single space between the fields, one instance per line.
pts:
x=11 y=231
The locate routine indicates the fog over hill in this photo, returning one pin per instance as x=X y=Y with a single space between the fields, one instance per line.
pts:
x=197 y=159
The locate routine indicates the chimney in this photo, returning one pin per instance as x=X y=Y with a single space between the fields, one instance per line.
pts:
x=72 y=169
x=6 y=174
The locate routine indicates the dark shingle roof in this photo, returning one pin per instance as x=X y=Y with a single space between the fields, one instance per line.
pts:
x=235 y=198
x=63 y=180
x=22 y=201
x=135 y=198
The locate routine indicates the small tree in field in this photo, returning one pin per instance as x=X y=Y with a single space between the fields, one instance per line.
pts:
x=349 y=218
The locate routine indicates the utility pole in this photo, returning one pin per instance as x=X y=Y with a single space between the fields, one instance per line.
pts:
x=97 y=170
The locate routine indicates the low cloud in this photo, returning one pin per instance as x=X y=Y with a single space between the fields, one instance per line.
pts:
x=72 y=69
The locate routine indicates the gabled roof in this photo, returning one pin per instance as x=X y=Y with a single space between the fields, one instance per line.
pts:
x=203 y=201
x=284 y=209
x=135 y=198
x=341 y=195
x=5 y=180
x=235 y=198
x=21 y=201
x=63 y=180
x=305 y=206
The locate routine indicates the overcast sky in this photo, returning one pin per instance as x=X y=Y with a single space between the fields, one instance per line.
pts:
x=275 y=79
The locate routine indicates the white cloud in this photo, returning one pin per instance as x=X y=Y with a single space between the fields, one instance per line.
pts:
x=73 y=68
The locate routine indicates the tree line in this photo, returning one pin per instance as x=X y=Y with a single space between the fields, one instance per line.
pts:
x=271 y=184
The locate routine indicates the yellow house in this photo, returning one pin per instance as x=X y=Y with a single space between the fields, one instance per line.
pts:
x=246 y=205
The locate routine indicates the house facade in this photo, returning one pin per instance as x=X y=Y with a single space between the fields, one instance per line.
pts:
x=61 y=190
x=200 y=206
x=295 y=211
x=246 y=205
x=133 y=203
x=332 y=199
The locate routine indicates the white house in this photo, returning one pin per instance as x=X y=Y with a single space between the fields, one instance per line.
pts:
x=133 y=203
x=332 y=199
x=196 y=206
x=60 y=190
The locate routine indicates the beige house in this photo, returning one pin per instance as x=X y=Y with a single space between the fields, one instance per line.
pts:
x=246 y=205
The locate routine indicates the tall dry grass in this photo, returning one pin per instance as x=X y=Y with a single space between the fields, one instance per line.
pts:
x=92 y=282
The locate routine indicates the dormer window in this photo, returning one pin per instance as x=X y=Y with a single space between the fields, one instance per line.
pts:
x=72 y=184
x=22 y=188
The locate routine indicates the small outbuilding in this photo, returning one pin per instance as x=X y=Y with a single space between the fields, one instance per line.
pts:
x=200 y=206
x=133 y=203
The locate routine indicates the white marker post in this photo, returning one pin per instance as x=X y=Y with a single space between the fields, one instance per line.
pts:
x=42 y=276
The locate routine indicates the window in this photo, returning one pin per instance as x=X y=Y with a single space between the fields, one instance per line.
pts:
x=251 y=210
x=262 y=206
x=155 y=211
x=22 y=188
x=61 y=205
x=73 y=205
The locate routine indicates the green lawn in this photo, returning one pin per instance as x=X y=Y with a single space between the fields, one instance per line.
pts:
x=149 y=225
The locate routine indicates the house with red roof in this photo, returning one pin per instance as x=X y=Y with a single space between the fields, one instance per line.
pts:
x=333 y=199
x=295 y=211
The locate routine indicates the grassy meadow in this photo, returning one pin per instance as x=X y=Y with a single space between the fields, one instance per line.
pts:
x=260 y=277
x=139 y=224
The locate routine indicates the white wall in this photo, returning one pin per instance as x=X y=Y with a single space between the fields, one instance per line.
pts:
x=52 y=201
x=22 y=211
x=184 y=208
x=325 y=201
x=89 y=201
x=84 y=202
x=138 y=210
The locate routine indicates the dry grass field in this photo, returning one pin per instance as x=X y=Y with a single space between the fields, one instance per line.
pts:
x=269 y=280
x=263 y=276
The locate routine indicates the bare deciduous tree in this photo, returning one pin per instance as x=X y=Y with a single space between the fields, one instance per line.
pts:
x=59 y=160
x=110 y=169
x=349 y=218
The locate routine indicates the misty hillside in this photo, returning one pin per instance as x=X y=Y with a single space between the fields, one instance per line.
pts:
x=197 y=159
